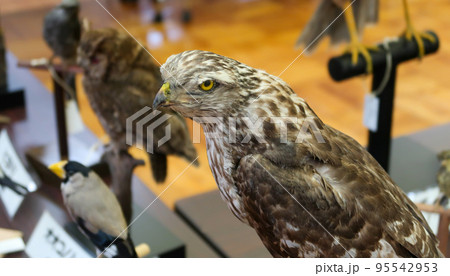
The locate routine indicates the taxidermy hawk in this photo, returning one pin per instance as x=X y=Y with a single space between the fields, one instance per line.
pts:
x=327 y=21
x=304 y=196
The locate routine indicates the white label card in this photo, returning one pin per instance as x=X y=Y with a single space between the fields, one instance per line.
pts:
x=50 y=240
x=371 y=109
x=12 y=166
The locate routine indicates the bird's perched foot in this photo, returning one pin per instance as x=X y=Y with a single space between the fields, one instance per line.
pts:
x=355 y=48
x=411 y=32
x=419 y=37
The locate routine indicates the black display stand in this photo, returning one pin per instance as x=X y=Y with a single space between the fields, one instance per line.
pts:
x=11 y=97
x=341 y=68
x=61 y=126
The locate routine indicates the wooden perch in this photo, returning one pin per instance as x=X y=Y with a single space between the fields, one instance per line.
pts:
x=43 y=64
x=444 y=222
x=121 y=165
x=433 y=209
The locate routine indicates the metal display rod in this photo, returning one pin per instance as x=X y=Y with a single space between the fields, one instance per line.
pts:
x=401 y=50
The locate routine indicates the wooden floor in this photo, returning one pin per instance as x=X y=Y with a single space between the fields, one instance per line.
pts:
x=261 y=34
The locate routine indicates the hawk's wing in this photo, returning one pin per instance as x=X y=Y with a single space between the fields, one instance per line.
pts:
x=338 y=184
x=280 y=203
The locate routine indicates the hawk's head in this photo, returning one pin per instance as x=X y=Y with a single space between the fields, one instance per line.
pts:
x=199 y=83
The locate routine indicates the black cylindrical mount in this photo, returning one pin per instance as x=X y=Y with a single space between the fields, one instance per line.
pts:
x=341 y=68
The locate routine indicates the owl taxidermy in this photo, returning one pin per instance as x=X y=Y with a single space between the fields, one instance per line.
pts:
x=307 y=189
x=62 y=30
x=120 y=79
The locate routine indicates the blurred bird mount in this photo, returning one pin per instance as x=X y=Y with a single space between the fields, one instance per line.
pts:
x=385 y=61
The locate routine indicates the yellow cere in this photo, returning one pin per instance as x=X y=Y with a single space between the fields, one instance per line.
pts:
x=166 y=89
x=207 y=85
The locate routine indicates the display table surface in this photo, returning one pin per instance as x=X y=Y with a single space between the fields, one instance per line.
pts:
x=208 y=214
x=414 y=163
x=414 y=166
x=33 y=130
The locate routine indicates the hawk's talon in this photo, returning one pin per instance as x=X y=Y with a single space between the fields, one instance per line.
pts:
x=411 y=33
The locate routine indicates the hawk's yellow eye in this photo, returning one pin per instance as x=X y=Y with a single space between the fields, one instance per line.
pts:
x=207 y=85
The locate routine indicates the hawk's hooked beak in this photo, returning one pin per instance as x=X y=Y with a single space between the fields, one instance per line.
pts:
x=58 y=169
x=162 y=96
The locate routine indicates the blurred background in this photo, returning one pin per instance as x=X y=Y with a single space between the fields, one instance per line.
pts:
x=262 y=34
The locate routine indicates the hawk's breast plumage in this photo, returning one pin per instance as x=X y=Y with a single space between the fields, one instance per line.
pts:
x=304 y=196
